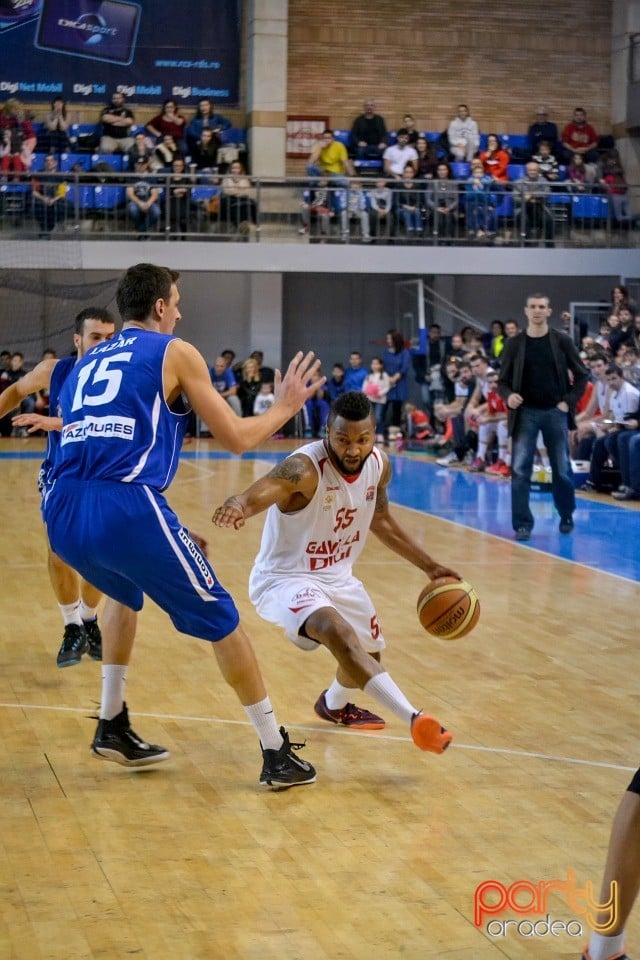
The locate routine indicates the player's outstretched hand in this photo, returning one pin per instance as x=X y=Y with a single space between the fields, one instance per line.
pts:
x=300 y=381
x=35 y=421
x=230 y=514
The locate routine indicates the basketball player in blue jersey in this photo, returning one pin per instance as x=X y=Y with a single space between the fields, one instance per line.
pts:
x=322 y=501
x=124 y=419
x=78 y=600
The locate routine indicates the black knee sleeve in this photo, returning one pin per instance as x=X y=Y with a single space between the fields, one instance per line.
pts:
x=634 y=786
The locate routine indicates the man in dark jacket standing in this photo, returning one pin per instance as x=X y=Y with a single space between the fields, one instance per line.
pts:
x=541 y=379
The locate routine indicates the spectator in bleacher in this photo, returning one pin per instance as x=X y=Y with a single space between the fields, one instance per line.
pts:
x=17 y=138
x=316 y=204
x=49 y=194
x=532 y=214
x=169 y=121
x=139 y=149
x=410 y=126
x=354 y=208
x=623 y=403
x=249 y=385
x=583 y=437
x=620 y=299
x=381 y=213
x=542 y=129
x=511 y=327
x=335 y=385
x=579 y=175
x=224 y=381
x=442 y=199
x=495 y=159
x=142 y=199
x=238 y=204
x=549 y=167
x=267 y=374
x=409 y=203
x=204 y=153
x=479 y=203
x=427 y=158
x=376 y=386
x=166 y=151
x=205 y=118
x=579 y=136
x=55 y=135
x=464 y=136
x=397 y=156
x=355 y=374
x=494 y=342
x=615 y=182
x=369 y=133
x=396 y=361
x=623 y=330
x=116 y=120
x=329 y=158
x=180 y=205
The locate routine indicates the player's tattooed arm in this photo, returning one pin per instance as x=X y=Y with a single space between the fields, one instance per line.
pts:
x=290 y=485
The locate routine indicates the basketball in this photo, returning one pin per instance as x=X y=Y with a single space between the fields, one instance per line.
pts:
x=448 y=608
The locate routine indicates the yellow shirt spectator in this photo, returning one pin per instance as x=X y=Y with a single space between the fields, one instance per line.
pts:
x=331 y=156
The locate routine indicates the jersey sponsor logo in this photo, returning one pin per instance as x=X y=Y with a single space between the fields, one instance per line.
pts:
x=327 y=553
x=117 y=428
x=371 y=493
x=197 y=557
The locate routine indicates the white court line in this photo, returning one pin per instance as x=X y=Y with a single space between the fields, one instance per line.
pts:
x=334 y=731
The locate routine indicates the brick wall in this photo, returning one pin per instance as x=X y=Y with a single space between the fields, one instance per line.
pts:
x=424 y=57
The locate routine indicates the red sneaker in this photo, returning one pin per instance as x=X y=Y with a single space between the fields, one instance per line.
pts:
x=496 y=468
x=505 y=471
x=429 y=734
x=348 y=716
x=477 y=466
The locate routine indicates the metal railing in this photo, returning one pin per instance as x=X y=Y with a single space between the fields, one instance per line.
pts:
x=302 y=210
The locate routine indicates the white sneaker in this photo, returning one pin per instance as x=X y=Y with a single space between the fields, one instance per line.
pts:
x=449 y=460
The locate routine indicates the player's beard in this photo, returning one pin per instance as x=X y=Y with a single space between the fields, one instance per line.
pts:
x=348 y=471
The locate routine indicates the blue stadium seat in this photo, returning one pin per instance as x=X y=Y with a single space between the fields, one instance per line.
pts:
x=67 y=160
x=516 y=171
x=343 y=136
x=590 y=208
x=81 y=196
x=108 y=197
x=114 y=159
x=37 y=161
x=203 y=193
x=515 y=141
x=460 y=169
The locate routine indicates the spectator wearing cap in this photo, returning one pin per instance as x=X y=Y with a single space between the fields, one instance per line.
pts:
x=542 y=129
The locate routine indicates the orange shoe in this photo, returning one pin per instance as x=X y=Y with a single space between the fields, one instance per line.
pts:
x=429 y=734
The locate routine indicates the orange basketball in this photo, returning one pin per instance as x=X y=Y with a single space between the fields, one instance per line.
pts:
x=448 y=608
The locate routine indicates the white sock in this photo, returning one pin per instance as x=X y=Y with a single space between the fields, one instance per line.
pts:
x=601 y=948
x=71 y=613
x=383 y=689
x=87 y=613
x=337 y=696
x=264 y=723
x=114 y=677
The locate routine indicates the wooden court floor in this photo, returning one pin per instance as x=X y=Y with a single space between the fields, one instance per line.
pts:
x=379 y=859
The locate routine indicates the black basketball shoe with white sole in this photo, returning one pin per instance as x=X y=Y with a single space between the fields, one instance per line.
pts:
x=115 y=740
x=74 y=644
x=282 y=769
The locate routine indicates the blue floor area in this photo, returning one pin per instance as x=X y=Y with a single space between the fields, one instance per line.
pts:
x=606 y=536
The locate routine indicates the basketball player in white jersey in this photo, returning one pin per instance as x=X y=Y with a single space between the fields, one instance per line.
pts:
x=322 y=501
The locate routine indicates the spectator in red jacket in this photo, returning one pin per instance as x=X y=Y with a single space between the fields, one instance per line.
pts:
x=17 y=138
x=495 y=160
x=580 y=137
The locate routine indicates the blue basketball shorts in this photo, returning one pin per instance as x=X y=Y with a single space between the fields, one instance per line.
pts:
x=125 y=540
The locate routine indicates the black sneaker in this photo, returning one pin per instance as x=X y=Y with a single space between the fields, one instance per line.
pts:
x=74 y=644
x=280 y=769
x=94 y=637
x=115 y=740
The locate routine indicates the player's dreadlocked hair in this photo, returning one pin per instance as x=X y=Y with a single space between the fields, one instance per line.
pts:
x=351 y=406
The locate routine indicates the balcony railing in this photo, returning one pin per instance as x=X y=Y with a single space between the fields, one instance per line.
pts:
x=98 y=205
